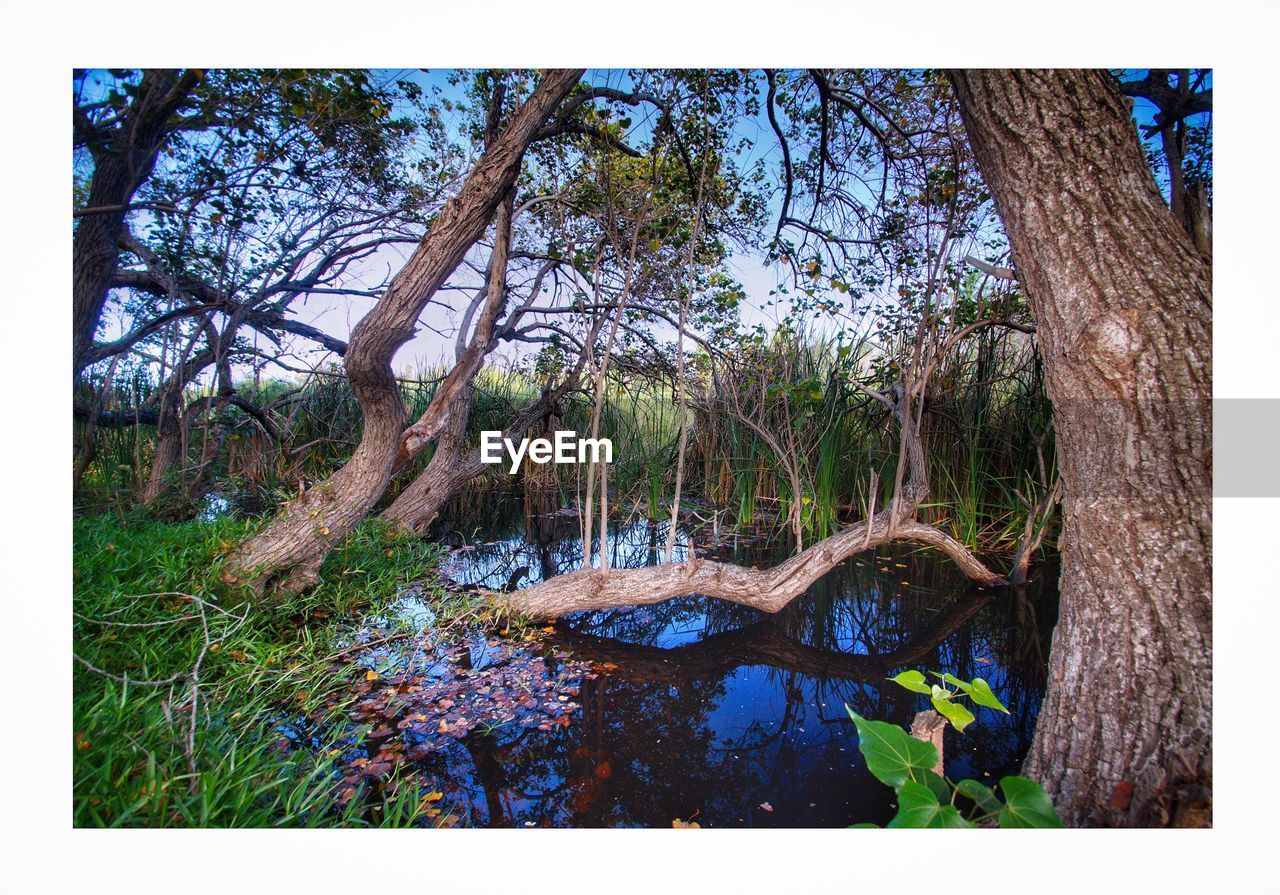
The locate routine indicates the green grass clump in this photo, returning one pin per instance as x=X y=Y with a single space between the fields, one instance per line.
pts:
x=140 y=588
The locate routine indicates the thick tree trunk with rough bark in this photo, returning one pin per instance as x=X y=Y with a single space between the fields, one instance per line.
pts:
x=1123 y=312
x=290 y=550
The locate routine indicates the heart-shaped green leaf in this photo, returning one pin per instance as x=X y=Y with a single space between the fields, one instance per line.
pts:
x=959 y=716
x=981 y=695
x=935 y=784
x=983 y=796
x=893 y=756
x=1026 y=804
x=920 y=808
x=912 y=680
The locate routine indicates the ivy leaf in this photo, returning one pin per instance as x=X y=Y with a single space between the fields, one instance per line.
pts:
x=983 y=796
x=912 y=680
x=919 y=808
x=981 y=695
x=1026 y=805
x=959 y=716
x=893 y=756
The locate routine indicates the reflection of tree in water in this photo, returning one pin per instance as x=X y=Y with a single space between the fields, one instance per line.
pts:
x=714 y=707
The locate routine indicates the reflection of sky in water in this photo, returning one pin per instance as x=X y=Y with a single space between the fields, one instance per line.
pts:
x=715 y=708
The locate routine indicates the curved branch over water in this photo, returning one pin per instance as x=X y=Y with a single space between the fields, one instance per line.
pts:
x=769 y=590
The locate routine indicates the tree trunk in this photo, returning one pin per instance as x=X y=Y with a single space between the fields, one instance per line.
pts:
x=451 y=466
x=417 y=506
x=290 y=550
x=168 y=446
x=1123 y=312
x=118 y=171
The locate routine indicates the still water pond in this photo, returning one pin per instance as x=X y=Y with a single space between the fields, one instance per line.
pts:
x=706 y=710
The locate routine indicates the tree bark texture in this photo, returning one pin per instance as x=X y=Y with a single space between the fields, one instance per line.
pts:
x=1123 y=307
x=291 y=548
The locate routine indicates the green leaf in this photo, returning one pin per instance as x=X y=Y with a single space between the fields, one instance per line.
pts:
x=950 y=678
x=919 y=808
x=863 y=827
x=959 y=716
x=1026 y=804
x=936 y=784
x=893 y=756
x=982 y=795
x=912 y=680
x=981 y=695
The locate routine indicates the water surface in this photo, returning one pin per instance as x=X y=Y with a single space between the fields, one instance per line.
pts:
x=698 y=708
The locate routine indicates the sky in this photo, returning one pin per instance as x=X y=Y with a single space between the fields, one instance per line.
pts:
x=434 y=341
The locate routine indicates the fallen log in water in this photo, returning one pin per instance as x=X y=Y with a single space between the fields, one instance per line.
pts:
x=768 y=590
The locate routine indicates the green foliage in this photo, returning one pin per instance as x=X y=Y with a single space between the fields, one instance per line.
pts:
x=893 y=758
x=943 y=699
x=140 y=590
x=925 y=799
x=918 y=807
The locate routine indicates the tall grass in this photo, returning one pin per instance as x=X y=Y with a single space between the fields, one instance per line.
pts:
x=137 y=761
x=985 y=403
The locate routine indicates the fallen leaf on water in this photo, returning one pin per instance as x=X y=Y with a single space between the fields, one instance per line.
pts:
x=766 y=806
x=371 y=675
x=678 y=824
x=434 y=796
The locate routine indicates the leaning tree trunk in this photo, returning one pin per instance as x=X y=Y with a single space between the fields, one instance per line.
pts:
x=290 y=550
x=452 y=465
x=1123 y=313
x=118 y=171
